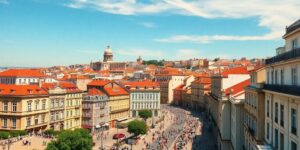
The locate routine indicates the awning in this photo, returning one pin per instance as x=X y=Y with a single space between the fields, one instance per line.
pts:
x=97 y=126
x=119 y=136
x=106 y=124
x=121 y=119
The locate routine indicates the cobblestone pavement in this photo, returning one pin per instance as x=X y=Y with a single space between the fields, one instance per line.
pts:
x=174 y=121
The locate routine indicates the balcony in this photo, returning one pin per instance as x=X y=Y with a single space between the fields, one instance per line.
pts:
x=284 y=56
x=287 y=89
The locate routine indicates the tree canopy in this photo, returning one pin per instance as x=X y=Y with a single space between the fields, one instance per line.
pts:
x=154 y=62
x=137 y=127
x=72 y=140
x=145 y=114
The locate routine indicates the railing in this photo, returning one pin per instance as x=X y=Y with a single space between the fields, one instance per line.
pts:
x=287 y=89
x=284 y=56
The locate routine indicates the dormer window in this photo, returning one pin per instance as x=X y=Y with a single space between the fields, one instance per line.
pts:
x=12 y=91
x=30 y=91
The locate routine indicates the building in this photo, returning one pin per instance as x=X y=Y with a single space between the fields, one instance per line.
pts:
x=200 y=89
x=282 y=94
x=108 y=63
x=168 y=82
x=225 y=105
x=65 y=103
x=118 y=100
x=143 y=95
x=24 y=77
x=95 y=111
x=254 y=108
x=24 y=107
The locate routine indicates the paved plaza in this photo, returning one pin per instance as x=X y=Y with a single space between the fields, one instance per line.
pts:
x=180 y=129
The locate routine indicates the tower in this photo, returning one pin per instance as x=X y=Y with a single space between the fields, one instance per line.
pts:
x=108 y=55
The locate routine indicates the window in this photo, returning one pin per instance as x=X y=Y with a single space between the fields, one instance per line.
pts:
x=14 y=107
x=276 y=138
x=282 y=77
x=29 y=106
x=282 y=115
x=268 y=130
x=294 y=121
x=5 y=106
x=294 y=44
x=272 y=77
x=268 y=77
x=36 y=120
x=28 y=121
x=36 y=105
x=268 y=108
x=281 y=141
x=43 y=118
x=276 y=112
x=294 y=76
x=52 y=103
x=276 y=77
x=293 y=146
x=13 y=122
x=44 y=104
x=5 y=122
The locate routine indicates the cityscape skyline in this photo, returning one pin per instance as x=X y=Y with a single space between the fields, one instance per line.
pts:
x=47 y=33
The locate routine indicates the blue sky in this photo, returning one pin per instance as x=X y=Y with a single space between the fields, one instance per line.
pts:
x=62 y=32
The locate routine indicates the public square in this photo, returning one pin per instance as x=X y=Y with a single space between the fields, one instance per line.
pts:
x=179 y=129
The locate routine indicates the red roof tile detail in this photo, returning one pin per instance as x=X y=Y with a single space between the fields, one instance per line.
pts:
x=115 y=91
x=22 y=73
x=98 y=82
x=145 y=83
x=21 y=90
x=237 y=70
x=238 y=87
x=94 y=91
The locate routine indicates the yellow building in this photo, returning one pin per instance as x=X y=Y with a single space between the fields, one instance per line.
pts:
x=65 y=105
x=24 y=107
x=118 y=101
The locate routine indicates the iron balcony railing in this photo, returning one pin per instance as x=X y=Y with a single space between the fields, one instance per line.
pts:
x=287 y=89
x=284 y=56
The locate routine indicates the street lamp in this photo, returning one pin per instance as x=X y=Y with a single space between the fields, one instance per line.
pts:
x=8 y=142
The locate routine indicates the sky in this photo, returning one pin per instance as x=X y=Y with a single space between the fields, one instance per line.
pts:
x=37 y=33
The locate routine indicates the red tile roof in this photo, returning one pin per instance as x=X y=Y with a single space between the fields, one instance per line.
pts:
x=115 y=91
x=22 y=73
x=238 y=88
x=237 y=70
x=94 y=91
x=144 y=83
x=21 y=90
x=98 y=82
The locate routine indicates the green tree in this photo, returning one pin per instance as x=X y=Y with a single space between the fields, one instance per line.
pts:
x=137 y=127
x=145 y=114
x=72 y=140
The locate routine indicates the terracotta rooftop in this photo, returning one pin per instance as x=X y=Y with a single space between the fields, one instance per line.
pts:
x=94 y=91
x=238 y=88
x=21 y=90
x=98 y=82
x=22 y=73
x=237 y=70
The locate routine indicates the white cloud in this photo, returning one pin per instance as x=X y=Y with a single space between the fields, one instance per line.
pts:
x=272 y=14
x=3 y=2
x=208 y=39
x=148 y=24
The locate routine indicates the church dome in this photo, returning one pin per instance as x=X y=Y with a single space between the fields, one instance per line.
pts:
x=108 y=50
